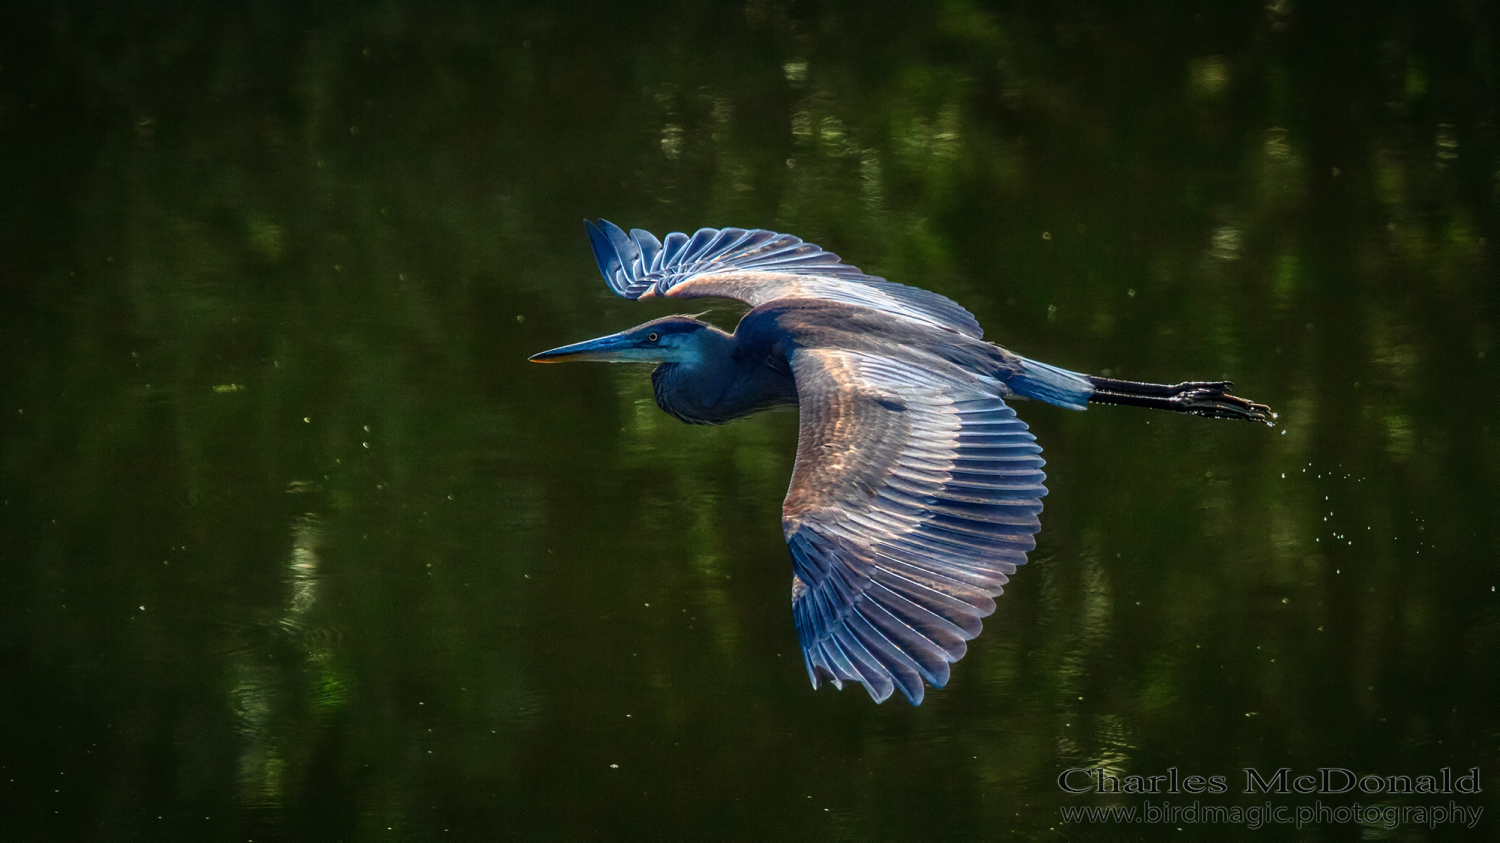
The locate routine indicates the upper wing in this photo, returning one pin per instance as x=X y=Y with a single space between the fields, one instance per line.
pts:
x=915 y=494
x=756 y=266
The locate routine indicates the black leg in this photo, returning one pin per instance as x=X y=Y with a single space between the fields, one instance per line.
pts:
x=1212 y=399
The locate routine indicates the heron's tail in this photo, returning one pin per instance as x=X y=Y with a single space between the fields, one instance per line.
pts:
x=1213 y=399
x=1051 y=384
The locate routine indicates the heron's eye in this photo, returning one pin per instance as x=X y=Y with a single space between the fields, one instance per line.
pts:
x=653 y=337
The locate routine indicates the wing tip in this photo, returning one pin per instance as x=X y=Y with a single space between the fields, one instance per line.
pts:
x=620 y=258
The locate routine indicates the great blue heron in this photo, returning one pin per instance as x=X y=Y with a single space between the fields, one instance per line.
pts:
x=916 y=490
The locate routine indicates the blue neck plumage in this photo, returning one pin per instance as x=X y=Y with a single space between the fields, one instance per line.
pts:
x=714 y=385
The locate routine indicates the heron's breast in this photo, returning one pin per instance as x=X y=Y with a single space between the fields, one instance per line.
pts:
x=715 y=397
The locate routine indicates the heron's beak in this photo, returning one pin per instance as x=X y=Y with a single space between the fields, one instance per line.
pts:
x=615 y=348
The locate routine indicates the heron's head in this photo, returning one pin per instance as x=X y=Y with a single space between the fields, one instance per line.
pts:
x=672 y=339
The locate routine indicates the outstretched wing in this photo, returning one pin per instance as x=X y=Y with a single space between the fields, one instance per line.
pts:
x=756 y=266
x=915 y=495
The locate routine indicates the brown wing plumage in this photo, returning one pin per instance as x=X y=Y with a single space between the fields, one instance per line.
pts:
x=915 y=494
x=756 y=288
x=757 y=266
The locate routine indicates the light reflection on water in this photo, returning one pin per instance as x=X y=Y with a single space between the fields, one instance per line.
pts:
x=285 y=678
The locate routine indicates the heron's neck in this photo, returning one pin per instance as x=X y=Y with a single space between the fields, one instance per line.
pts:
x=711 y=350
x=719 y=384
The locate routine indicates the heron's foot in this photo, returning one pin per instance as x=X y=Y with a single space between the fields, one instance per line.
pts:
x=1211 y=399
x=1215 y=401
x=1222 y=386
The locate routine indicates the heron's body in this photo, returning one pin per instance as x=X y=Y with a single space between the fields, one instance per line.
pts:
x=739 y=374
x=916 y=490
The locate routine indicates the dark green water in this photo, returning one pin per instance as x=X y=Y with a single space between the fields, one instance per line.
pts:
x=296 y=545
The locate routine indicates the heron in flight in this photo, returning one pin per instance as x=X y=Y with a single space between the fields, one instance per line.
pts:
x=916 y=490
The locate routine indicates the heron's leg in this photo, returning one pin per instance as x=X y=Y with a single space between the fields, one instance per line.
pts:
x=1213 y=399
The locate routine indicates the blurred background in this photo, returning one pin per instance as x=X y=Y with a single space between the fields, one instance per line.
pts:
x=296 y=545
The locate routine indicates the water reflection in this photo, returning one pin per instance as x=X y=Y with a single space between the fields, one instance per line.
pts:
x=285 y=679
